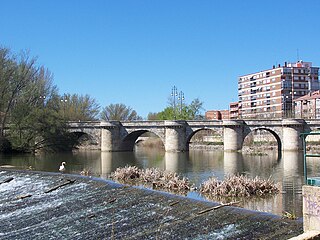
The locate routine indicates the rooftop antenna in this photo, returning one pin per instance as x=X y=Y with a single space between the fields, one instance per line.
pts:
x=298 y=57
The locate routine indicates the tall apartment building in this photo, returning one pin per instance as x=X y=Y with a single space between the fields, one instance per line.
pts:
x=270 y=93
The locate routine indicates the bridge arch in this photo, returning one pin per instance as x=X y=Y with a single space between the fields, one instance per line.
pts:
x=209 y=135
x=275 y=134
x=5 y=145
x=129 y=141
x=85 y=140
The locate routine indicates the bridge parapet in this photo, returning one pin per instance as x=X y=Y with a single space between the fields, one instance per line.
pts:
x=232 y=123
x=84 y=124
x=263 y=122
x=293 y=122
x=143 y=123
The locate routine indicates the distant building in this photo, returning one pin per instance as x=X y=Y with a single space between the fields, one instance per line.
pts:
x=234 y=110
x=271 y=93
x=217 y=114
x=308 y=106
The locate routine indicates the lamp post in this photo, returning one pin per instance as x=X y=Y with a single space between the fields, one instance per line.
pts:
x=292 y=93
x=181 y=98
x=174 y=94
x=64 y=100
x=42 y=98
x=285 y=106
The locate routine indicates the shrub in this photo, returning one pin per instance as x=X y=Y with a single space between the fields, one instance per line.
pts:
x=239 y=186
x=157 y=178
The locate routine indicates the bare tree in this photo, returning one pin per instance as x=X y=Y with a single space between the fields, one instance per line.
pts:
x=16 y=75
x=77 y=107
x=119 y=112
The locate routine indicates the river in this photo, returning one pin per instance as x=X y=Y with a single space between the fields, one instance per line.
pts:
x=197 y=165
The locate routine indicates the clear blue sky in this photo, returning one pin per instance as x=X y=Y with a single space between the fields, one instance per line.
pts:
x=135 y=51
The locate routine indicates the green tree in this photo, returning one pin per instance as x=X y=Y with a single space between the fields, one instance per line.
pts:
x=28 y=104
x=184 y=112
x=119 y=112
x=167 y=114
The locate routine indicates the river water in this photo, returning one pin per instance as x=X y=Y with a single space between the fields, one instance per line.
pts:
x=197 y=165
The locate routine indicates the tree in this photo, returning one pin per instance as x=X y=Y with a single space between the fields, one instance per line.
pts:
x=184 y=112
x=15 y=75
x=28 y=104
x=78 y=107
x=195 y=108
x=119 y=112
x=152 y=116
x=166 y=114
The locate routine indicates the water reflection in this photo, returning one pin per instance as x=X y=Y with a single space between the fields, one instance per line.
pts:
x=292 y=181
x=176 y=162
x=233 y=163
x=197 y=165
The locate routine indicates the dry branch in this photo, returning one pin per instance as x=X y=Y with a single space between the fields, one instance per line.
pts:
x=24 y=196
x=173 y=203
x=6 y=180
x=217 y=207
x=60 y=185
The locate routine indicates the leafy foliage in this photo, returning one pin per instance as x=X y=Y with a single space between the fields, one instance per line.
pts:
x=182 y=112
x=31 y=109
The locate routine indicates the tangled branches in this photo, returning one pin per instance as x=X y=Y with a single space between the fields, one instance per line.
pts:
x=239 y=186
x=159 y=179
x=231 y=186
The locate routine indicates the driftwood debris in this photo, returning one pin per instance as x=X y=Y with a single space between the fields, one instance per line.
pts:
x=217 y=207
x=24 y=196
x=112 y=200
x=173 y=203
x=91 y=216
x=9 y=179
x=69 y=181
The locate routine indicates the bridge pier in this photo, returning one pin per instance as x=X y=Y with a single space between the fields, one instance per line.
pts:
x=291 y=129
x=110 y=136
x=175 y=136
x=232 y=135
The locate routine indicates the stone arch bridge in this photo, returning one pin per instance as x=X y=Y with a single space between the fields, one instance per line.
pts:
x=176 y=135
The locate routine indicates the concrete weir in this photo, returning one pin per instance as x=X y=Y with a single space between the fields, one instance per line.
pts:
x=97 y=209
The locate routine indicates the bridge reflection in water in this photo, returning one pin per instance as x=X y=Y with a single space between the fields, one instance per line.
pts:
x=197 y=165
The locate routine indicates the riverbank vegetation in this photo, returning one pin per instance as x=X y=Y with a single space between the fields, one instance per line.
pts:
x=33 y=115
x=231 y=186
